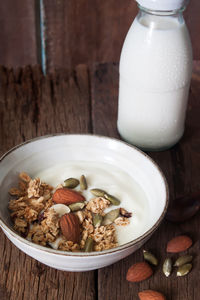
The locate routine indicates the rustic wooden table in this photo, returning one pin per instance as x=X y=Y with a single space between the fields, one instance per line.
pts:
x=80 y=102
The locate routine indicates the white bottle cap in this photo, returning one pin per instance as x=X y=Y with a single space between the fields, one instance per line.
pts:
x=163 y=5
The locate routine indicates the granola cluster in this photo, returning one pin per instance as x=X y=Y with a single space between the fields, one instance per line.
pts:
x=31 y=197
x=97 y=205
x=104 y=236
x=35 y=218
x=47 y=230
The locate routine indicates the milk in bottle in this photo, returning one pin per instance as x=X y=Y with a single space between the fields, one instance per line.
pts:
x=155 y=74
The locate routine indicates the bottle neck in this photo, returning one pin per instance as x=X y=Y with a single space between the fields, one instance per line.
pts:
x=177 y=12
x=160 y=19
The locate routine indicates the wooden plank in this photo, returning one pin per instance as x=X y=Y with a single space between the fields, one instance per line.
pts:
x=18 y=33
x=104 y=99
x=33 y=105
x=67 y=103
x=181 y=167
x=78 y=31
x=193 y=22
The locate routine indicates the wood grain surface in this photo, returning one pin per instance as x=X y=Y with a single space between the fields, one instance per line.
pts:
x=18 y=42
x=85 y=31
x=74 y=102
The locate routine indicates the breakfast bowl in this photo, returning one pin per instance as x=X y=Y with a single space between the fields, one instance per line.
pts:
x=108 y=164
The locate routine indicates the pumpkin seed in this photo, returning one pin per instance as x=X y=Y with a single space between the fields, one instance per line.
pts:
x=97 y=220
x=77 y=206
x=111 y=216
x=182 y=260
x=83 y=183
x=89 y=245
x=150 y=257
x=184 y=270
x=98 y=192
x=167 y=266
x=71 y=183
x=112 y=199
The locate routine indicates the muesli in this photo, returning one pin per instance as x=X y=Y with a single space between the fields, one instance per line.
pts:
x=62 y=218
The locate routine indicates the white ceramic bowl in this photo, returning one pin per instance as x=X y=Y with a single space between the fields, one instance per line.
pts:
x=40 y=153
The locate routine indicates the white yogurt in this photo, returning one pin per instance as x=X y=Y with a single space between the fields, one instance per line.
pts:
x=115 y=182
x=155 y=73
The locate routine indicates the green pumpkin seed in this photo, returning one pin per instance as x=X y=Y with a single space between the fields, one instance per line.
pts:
x=98 y=192
x=167 y=266
x=83 y=183
x=97 y=220
x=71 y=183
x=112 y=199
x=184 y=270
x=182 y=260
x=111 y=216
x=77 y=206
x=148 y=256
x=89 y=244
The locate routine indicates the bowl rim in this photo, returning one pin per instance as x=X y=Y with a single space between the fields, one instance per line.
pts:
x=93 y=253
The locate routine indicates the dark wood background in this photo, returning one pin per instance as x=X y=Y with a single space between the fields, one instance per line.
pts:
x=64 y=33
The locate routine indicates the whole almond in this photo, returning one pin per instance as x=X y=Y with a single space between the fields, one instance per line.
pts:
x=151 y=295
x=67 y=196
x=70 y=227
x=179 y=243
x=138 y=272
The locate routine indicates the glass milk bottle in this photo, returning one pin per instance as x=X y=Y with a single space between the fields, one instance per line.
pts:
x=155 y=74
